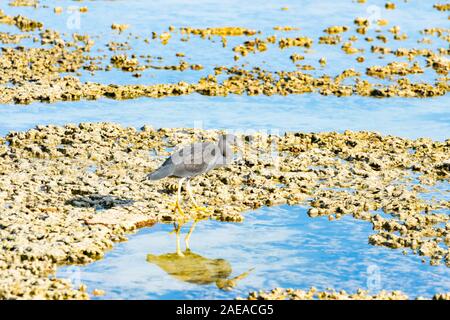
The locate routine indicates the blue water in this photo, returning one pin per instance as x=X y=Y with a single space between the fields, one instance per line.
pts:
x=410 y=118
x=285 y=247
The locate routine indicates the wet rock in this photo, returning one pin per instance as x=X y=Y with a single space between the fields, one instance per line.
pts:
x=329 y=294
x=119 y=27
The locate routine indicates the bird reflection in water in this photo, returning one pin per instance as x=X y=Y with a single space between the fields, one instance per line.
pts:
x=190 y=267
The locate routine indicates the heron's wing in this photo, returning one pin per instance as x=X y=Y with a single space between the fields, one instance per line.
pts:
x=195 y=159
x=165 y=170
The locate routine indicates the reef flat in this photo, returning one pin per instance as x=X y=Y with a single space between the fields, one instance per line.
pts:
x=69 y=192
x=42 y=64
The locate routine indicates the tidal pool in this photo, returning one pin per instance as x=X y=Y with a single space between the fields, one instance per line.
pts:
x=281 y=246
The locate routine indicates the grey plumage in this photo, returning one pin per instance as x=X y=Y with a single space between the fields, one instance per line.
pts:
x=191 y=161
x=196 y=159
x=164 y=171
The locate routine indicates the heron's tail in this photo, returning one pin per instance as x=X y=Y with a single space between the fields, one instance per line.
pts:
x=160 y=173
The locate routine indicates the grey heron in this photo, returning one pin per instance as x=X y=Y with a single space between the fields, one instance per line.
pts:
x=193 y=160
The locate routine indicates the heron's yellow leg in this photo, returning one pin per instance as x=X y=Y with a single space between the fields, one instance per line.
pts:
x=177 y=229
x=188 y=236
x=191 y=197
x=177 y=206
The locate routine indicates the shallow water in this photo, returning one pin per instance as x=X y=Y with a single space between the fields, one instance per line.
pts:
x=285 y=247
x=410 y=118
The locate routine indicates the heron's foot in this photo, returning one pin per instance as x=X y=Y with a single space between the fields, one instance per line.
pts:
x=177 y=208
x=180 y=254
x=203 y=210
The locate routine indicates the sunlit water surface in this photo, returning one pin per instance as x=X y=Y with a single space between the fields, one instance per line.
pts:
x=283 y=246
x=411 y=118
